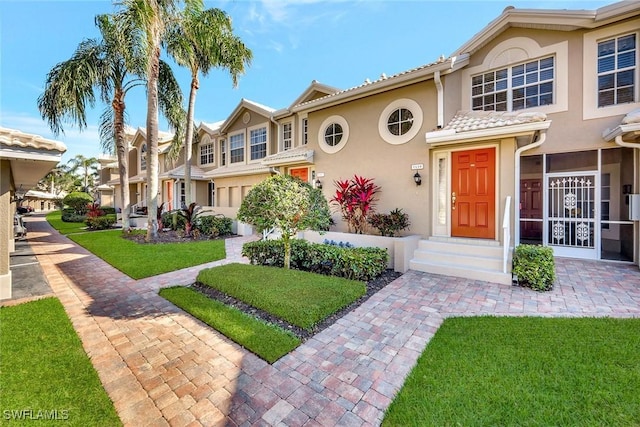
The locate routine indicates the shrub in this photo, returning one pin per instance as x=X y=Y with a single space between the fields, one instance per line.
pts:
x=534 y=267
x=94 y=211
x=391 y=223
x=355 y=200
x=70 y=215
x=78 y=201
x=351 y=263
x=108 y=209
x=174 y=220
x=214 y=225
x=103 y=222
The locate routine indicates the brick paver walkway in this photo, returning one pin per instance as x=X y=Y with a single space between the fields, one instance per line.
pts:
x=162 y=367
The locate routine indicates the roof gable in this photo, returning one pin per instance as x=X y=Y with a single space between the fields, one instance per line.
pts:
x=242 y=106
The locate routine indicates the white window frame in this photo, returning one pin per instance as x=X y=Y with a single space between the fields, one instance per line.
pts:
x=244 y=147
x=222 y=144
x=143 y=157
x=335 y=119
x=519 y=50
x=590 y=109
x=304 y=131
x=206 y=151
x=383 y=121
x=250 y=132
x=287 y=136
x=617 y=69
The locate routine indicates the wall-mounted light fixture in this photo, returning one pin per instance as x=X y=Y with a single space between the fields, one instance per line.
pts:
x=417 y=178
x=318 y=184
x=626 y=188
x=18 y=194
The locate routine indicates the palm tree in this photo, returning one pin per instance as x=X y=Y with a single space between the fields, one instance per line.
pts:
x=203 y=40
x=57 y=181
x=88 y=165
x=112 y=67
x=151 y=18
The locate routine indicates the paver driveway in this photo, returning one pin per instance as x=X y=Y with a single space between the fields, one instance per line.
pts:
x=161 y=367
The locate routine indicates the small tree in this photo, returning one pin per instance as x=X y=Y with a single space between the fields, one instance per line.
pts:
x=355 y=199
x=78 y=201
x=285 y=203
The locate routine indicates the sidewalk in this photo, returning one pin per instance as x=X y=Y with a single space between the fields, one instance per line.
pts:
x=162 y=367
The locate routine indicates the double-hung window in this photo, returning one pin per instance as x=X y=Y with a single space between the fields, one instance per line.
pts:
x=514 y=88
x=617 y=70
x=236 y=146
x=143 y=157
x=305 y=131
x=287 y=142
x=258 y=143
x=206 y=154
x=223 y=152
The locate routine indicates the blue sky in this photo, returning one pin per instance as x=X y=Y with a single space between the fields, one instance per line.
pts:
x=338 y=43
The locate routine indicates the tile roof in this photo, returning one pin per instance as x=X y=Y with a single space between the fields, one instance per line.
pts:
x=250 y=169
x=465 y=121
x=178 y=172
x=15 y=138
x=298 y=154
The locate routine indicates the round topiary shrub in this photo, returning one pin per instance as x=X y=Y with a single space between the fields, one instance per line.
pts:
x=78 y=201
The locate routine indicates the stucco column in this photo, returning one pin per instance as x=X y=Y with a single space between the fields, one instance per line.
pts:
x=6 y=229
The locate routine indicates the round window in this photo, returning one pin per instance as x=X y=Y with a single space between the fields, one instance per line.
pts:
x=333 y=134
x=400 y=121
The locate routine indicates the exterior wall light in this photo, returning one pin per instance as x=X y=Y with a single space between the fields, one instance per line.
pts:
x=417 y=178
x=318 y=184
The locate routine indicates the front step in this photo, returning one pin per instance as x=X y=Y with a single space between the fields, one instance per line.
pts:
x=467 y=258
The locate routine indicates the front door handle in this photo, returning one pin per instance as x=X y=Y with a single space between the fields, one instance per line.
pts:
x=453 y=201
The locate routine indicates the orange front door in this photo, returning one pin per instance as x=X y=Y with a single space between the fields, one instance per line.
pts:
x=473 y=193
x=302 y=173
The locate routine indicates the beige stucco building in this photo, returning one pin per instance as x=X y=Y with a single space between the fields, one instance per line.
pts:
x=528 y=133
x=24 y=160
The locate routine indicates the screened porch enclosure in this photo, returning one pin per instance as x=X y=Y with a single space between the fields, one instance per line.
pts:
x=576 y=203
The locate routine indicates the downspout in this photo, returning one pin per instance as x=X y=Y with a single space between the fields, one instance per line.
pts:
x=516 y=193
x=440 y=89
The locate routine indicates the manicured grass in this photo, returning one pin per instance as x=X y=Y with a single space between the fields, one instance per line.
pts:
x=299 y=297
x=525 y=372
x=54 y=218
x=143 y=260
x=267 y=341
x=45 y=371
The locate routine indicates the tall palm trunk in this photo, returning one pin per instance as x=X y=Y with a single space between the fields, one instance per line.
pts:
x=122 y=154
x=152 y=139
x=188 y=147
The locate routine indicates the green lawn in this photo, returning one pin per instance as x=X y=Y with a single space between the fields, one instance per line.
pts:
x=54 y=218
x=299 y=297
x=267 y=341
x=143 y=260
x=525 y=372
x=46 y=377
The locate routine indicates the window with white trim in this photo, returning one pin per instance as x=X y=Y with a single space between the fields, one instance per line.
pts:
x=223 y=152
x=236 y=148
x=333 y=134
x=258 y=143
x=211 y=194
x=206 y=154
x=526 y=85
x=143 y=157
x=617 y=70
x=305 y=131
x=287 y=141
x=400 y=121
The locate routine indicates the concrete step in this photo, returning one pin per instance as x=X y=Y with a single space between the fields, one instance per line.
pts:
x=468 y=258
x=461 y=271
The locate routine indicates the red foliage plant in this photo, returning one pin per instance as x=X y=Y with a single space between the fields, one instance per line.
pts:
x=355 y=198
x=94 y=211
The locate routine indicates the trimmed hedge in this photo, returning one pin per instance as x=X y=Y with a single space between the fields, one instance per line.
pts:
x=351 y=263
x=103 y=222
x=534 y=267
x=214 y=225
x=70 y=215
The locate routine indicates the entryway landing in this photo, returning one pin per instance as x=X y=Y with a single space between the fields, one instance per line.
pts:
x=477 y=259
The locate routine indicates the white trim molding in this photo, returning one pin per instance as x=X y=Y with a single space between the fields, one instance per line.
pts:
x=383 y=127
x=335 y=119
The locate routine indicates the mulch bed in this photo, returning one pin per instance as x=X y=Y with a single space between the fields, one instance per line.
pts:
x=373 y=286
